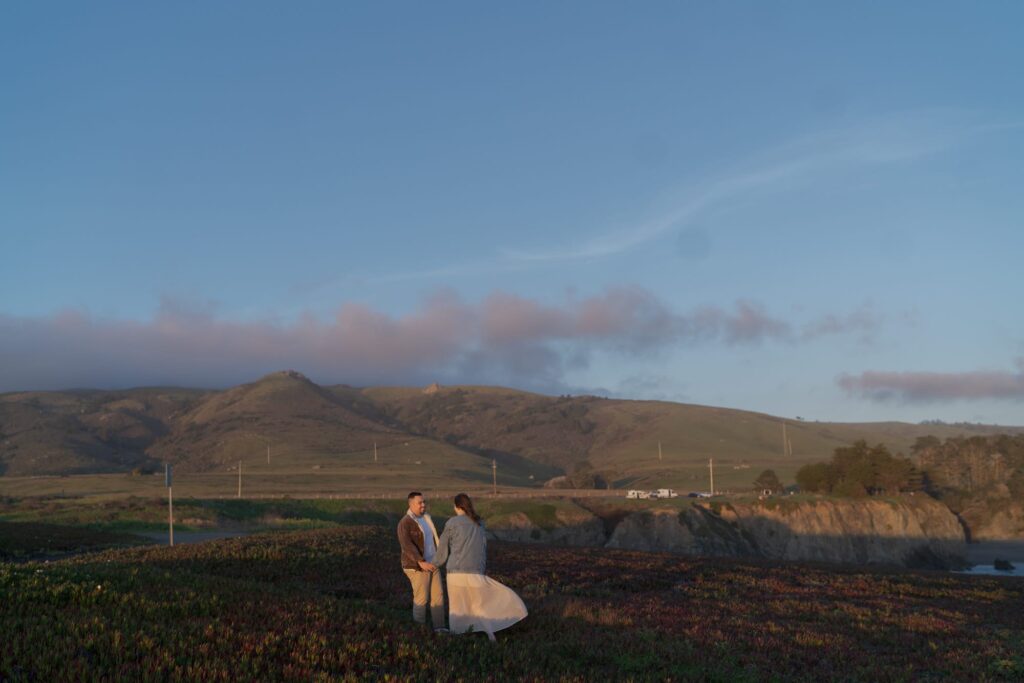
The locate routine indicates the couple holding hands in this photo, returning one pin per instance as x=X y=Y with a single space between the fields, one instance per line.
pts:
x=476 y=602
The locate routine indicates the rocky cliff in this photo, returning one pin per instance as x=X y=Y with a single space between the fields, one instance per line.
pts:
x=913 y=532
x=995 y=520
x=578 y=528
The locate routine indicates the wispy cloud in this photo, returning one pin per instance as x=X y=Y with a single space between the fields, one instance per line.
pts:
x=695 y=201
x=899 y=138
x=505 y=338
x=934 y=387
x=863 y=322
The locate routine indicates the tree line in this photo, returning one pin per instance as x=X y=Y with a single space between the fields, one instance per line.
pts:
x=861 y=470
x=963 y=468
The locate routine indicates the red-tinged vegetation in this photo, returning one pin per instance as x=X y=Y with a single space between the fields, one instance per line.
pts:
x=35 y=540
x=333 y=605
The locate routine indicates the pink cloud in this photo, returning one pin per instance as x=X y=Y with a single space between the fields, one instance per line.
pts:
x=926 y=387
x=747 y=324
x=505 y=338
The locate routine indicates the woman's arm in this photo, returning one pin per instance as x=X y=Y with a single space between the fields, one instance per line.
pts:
x=443 y=545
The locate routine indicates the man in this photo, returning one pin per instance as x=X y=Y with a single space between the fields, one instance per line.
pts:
x=418 y=540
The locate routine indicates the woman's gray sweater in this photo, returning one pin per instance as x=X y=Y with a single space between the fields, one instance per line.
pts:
x=463 y=546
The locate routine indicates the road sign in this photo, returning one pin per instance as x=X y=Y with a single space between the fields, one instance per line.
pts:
x=168 y=468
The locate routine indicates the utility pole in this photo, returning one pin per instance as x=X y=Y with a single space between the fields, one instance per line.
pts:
x=170 y=503
x=785 y=441
x=711 y=469
x=268 y=452
x=239 y=478
x=659 y=451
x=494 y=470
x=375 y=451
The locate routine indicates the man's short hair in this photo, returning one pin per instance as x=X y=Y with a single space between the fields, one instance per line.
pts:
x=413 y=494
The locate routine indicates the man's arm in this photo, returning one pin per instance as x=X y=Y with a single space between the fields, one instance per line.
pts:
x=409 y=547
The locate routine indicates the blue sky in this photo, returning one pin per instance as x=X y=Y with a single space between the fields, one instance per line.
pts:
x=803 y=209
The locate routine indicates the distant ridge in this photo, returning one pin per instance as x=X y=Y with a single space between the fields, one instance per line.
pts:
x=86 y=431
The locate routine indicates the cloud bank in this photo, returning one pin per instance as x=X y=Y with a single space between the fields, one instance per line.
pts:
x=504 y=338
x=935 y=387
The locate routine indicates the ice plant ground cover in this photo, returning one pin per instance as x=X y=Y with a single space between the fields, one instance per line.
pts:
x=34 y=540
x=332 y=604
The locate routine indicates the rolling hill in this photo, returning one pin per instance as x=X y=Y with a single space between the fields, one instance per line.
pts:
x=74 y=432
x=457 y=430
x=622 y=438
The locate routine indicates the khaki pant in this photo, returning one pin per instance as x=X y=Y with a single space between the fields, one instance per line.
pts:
x=426 y=585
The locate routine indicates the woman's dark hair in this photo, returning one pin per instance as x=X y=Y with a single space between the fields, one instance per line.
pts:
x=463 y=502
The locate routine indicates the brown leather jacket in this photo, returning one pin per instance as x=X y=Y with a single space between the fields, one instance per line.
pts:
x=410 y=538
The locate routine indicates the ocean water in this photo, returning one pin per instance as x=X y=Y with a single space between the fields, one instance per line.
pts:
x=984 y=553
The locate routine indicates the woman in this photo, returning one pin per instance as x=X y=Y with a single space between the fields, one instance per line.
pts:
x=475 y=602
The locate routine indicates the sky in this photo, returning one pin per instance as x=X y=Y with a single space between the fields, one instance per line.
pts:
x=800 y=208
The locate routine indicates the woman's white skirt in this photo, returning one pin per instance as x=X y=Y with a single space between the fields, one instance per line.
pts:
x=478 y=603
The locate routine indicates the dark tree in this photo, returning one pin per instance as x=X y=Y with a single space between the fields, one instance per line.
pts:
x=815 y=478
x=861 y=470
x=768 y=481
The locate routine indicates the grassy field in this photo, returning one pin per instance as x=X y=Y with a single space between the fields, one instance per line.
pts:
x=417 y=463
x=135 y=513
x=331 y=604
x=423 y=465
x=41 y=527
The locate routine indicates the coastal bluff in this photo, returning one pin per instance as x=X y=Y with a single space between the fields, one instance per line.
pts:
x=913 y=532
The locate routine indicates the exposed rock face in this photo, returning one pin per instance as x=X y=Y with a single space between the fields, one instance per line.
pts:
x=698 y=531
x=579 y=530
x=918 y=533
x=913 y=532
x=1004 y=522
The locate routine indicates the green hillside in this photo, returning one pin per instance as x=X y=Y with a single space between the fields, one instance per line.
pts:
x=621 y=438
x=74 y=432
x=323 y=438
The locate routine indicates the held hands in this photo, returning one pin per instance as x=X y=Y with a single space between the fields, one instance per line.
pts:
x=427 y=567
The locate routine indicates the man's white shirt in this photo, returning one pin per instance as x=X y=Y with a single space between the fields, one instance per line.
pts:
x=427 y=528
